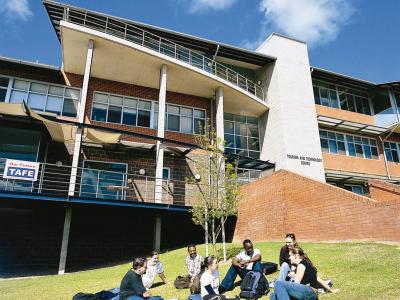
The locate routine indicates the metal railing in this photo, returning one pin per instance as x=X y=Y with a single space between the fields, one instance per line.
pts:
x=131 y=33
x=54 y=180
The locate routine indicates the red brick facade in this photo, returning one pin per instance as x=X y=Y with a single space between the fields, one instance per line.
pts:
x=383 y=191
x=287 y=202
x=113 y=87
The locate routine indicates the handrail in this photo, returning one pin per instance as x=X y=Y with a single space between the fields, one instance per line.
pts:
x=161 y=45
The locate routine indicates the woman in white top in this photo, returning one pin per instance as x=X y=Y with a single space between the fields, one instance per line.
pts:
x=209 y=281
x=154 y=267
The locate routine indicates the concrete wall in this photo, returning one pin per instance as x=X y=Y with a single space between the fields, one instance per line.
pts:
x=291 y=137
x=288 y=202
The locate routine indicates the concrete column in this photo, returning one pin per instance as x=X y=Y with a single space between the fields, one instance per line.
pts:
x=160 y=133
x=157 y=234
x=65 y=238
x=81 y=117
x=219 y=116
x=289 y=130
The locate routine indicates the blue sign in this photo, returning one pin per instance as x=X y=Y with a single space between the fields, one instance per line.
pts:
x=22 y=170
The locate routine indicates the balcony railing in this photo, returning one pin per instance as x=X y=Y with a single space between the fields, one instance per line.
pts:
x=54 y=179
x=131 y=33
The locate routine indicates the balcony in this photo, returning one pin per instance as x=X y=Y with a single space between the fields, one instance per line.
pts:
x=120 y=29
x=117 y=187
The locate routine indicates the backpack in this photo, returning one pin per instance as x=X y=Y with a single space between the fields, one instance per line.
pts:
x=269 y=267
x=254 y=285
x=182 y=282
x=195 y=288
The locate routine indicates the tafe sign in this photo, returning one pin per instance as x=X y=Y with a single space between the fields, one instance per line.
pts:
x=22 y=170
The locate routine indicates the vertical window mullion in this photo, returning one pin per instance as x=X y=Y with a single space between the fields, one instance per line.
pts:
x=9 y=88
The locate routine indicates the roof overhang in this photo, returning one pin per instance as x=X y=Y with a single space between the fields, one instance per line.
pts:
x=56 y=12
x=123 y=61
x=351 y=126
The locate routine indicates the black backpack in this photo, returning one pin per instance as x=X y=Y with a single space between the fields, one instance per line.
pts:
x=269 y=267
x=254 y=286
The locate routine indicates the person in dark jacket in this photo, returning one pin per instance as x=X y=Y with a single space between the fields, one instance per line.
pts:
x=132 y=287
x=305 y=281
x=284 y=261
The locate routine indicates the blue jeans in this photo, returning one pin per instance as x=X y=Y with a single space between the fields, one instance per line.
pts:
x=141 y=298
x=283 y=272
x=233 y=271
x=284 y=290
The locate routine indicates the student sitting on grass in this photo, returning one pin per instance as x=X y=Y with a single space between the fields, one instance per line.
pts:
x=154 y=267
x=247 y=260
x=132 y=287
x=209 y=281
x=306 y=280
x=284 y=261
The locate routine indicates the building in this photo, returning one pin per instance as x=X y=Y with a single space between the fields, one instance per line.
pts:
x=114 y=132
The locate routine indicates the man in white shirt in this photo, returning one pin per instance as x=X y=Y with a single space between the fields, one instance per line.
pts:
x=154 y=267
x=247 y=260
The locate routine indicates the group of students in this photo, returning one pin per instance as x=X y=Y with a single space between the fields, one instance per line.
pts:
x=297 y=279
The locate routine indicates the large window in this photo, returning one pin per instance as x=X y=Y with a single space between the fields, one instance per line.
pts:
x=350 y=145
x=119 y=109
x=241 y=135
x=392 y=151
x=144 y=113
x=56 y=99
x=103 y=180
x=341 y=97
x=184 y=119
x=18 y=143
x=3 y=88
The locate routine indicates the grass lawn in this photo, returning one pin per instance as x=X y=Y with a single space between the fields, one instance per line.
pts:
x=359 y=270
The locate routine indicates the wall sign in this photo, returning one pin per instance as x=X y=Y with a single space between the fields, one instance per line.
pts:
x=22 y=170
x=304 y=160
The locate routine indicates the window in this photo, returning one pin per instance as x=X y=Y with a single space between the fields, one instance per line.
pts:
x=358 y=189
x=185 y=119
x=345 y=144
x=119 y=109
x=166 y=174
x=241 y=135
x=3 y=88
x=59 y=100
x=391 y=151
x=103 y=180
x=341 y=97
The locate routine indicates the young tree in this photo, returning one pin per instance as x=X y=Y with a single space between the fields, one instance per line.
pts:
x=217 y=196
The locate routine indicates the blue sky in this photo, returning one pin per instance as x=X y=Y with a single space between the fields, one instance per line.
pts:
x=359 y=38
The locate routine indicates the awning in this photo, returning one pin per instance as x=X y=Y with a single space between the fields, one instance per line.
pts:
x=343 y=176
x=244 y=162
x=60 y=132
x=12 y=109
x=350 y=126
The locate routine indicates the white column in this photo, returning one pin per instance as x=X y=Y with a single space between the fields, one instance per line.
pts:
x=160 y=133
x=157 y=234
x=64 y=244
x=81 y=117
x=219 y=115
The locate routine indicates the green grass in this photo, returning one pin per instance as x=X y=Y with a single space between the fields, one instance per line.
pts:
x=359 y=270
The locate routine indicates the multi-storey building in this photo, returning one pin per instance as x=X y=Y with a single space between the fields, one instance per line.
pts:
x=114 y=133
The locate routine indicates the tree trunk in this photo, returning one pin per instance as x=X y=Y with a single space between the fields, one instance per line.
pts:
x=206 y=231
x=213 y=236
x=223 y=237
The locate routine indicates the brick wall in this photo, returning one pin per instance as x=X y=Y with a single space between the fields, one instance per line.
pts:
x=383 y=191
x=287 y=202
x=114 y=87
x=344 y=115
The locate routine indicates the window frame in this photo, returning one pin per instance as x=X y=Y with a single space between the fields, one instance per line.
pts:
x=350 y=139
x=64 y=97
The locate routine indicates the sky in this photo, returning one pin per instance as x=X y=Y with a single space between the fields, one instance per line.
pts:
x=359 y=38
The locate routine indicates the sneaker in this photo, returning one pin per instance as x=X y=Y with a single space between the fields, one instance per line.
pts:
x=272 y=284
x=329 y=283
x=321 y=291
